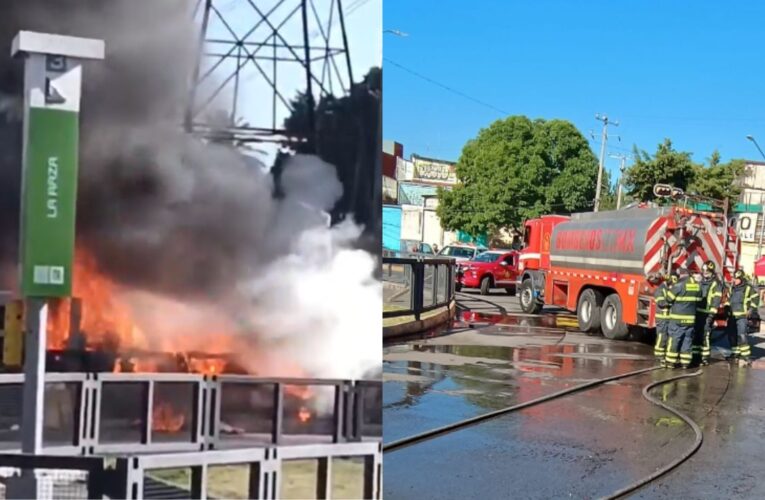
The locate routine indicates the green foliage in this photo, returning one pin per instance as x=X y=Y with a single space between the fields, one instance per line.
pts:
x=718 y=179
x=608 y=198
x=676 y=168
x=347 y=136
x=516 y=169
x=666 y=166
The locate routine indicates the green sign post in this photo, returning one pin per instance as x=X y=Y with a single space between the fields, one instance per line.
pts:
x=48 y=203
x=52 y=87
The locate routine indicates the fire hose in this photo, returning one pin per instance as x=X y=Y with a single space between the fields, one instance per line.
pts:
x=440 y=431
x=699 y=437
x=446 y=429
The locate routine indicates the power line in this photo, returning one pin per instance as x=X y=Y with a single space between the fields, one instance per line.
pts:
x=347 y=11
x=711 y=119
x=596 y=141
x=446 y=87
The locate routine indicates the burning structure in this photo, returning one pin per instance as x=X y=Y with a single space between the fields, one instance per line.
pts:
x=185 y=260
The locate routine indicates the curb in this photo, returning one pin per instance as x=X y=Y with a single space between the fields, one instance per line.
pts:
x=422 y=325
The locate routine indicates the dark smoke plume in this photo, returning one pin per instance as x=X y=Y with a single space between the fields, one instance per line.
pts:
x=159 y=209
x=191 y=232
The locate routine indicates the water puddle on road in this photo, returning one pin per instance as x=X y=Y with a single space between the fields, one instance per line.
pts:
x=426 y=385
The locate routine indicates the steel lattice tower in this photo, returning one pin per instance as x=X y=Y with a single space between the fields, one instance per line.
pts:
x=272 y=50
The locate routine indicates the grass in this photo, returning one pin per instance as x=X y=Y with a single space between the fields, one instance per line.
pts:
x=298 y=479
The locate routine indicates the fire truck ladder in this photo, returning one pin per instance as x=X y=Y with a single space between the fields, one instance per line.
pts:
x=728 y=252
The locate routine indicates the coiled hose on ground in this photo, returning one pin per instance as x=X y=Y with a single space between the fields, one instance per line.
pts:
x=699 y=438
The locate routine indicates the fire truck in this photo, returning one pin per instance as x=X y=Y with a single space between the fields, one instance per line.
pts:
x=597 y=264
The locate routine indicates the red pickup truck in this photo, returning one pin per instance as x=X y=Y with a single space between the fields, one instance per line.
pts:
x=491 y=269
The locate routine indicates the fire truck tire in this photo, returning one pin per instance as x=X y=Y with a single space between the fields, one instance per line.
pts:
x=458 y=287
x=529 y=303
x=486 y=285
x=588 y=310
x=611 y=322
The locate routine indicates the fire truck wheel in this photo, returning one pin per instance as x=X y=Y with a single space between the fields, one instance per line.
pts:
x=588 y=310
x=529 y=303
x=485 y=285
x=458 y=287
x=614 y=327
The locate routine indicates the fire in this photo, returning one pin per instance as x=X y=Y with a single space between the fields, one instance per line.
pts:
x=164 y=418
x=304 y=415
x=104 y=321
x=107 y=322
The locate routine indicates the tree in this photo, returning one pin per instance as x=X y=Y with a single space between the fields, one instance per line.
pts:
x=608 y=197
x=348 y=136
x=718 y=180
x=519 y=168
x=666 y=166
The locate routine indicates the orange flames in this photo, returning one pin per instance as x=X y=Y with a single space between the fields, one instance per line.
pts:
x=164 y=418
x=103 y=319
x=304 y=415
x=107 y=322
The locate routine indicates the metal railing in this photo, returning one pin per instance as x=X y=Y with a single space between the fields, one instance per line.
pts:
x=244 y=473
x=413 y=286
x=112 y=413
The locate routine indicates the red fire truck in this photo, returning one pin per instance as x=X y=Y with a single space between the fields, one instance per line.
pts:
x=597 y=264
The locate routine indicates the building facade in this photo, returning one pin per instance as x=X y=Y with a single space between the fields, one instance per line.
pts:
x=410 y=193
x=749 y=214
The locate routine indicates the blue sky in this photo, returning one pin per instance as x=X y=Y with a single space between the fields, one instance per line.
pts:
x=690 y=71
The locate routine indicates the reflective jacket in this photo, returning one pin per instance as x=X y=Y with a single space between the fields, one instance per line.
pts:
x=742 y=299
x=660 y=298
x=683 y=299
x=711 y=295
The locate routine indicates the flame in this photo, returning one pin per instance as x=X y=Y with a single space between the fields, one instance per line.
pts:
x=107 y=322
x=209 y=366
x=104 y=321
x=304 y=415
x=164 y=418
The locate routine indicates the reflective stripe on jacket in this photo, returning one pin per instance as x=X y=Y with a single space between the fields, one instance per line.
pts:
x=660 y=298
x=683 y=299
x=711 y=296
x=743 y=298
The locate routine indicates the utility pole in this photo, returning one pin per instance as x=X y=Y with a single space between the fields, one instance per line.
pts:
x=603 y=140
x=622 y=158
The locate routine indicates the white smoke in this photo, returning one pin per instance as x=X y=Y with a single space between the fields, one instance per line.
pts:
x=189 y=231
x=312 y=311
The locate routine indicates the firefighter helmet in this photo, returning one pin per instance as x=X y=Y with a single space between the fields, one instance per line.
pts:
x=739 y=274
x=709 y=266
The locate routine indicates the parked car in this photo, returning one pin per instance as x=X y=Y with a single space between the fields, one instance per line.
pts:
x=461 y=253
x=490 y=269
x=410 y=246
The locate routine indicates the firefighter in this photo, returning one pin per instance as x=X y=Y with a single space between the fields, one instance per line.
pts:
x=711 y=296
x=662 y=316
x=683 y=298
x=744 y=301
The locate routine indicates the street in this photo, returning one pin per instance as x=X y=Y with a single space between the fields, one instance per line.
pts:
x=588 y=444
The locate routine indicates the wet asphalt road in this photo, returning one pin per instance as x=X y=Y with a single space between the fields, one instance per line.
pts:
x=583 y=446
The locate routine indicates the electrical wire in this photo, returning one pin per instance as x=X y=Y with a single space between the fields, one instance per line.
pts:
x=446 y=87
